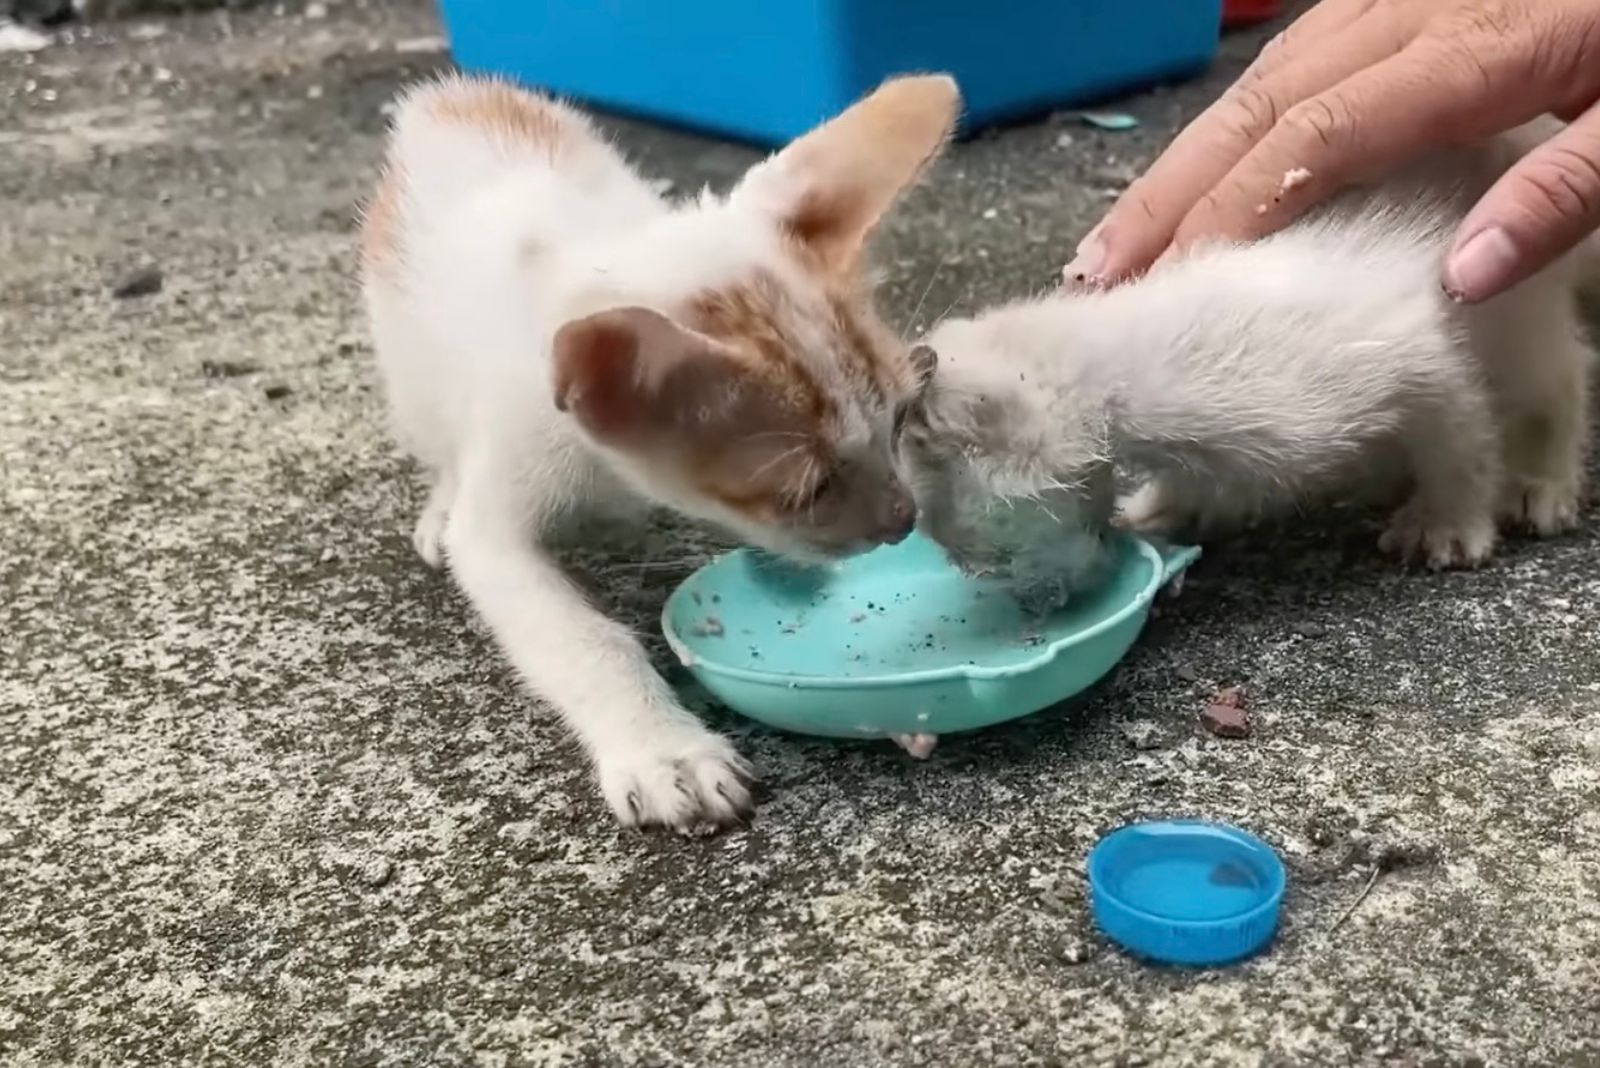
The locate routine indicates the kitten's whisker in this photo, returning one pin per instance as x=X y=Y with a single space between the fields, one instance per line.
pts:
x=775 y=461
x=949 y=307
x=656 y=565
x=932 y=278
x=791 y=434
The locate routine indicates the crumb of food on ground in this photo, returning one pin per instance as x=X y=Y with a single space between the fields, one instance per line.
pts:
x=227 y=368
x=920 y=745
x=1075 y=951
x=140 y=282
x=1226 y=721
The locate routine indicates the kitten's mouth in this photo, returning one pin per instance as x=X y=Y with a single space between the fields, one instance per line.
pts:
x=818 y=552
x=844 y=551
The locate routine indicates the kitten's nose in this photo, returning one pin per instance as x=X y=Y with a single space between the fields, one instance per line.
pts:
x=899 y=518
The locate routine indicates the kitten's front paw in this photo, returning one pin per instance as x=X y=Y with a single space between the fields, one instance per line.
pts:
x=691 y=781
x=920 y=745
x=428 y=536
x=1417 y=535
x=1546 y=508
x=1158 y=510
x=1144 y=511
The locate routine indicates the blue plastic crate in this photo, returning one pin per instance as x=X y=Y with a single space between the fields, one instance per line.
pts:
x=767 y=70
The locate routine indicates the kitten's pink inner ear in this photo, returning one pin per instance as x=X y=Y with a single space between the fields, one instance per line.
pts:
x=629 y=374
x=596 y=372
x=830 y=188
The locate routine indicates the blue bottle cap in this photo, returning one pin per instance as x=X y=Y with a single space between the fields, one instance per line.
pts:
x=1186 y=892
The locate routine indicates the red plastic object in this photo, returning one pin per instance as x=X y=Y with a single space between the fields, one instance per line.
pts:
x=1245 y=12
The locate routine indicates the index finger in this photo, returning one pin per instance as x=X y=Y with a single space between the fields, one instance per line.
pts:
x=1142 y=222
x=1442 y=89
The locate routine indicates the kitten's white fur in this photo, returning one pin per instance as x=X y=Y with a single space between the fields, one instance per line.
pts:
x=506 y=240
x=1244 y=379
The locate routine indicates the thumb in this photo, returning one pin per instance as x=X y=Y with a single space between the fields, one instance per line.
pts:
x=1537 y=211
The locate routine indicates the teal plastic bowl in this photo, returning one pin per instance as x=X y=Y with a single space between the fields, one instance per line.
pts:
x=899 y=641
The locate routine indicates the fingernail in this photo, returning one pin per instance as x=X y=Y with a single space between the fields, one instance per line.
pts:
x=1089 y=260
x=1482 y=265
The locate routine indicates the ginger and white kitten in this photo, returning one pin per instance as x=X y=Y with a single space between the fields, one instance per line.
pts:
x=558 y=343
x=1243 y=380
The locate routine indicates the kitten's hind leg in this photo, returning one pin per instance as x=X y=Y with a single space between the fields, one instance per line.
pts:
x=1543 y=394
x=428 y=535
x=1449 y=519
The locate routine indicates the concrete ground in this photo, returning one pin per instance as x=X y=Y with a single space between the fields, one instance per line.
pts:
x=269 y=797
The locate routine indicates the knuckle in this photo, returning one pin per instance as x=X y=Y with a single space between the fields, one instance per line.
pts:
x=1247 y=112
x=1496 y=20
x=1272 y=55
x=1566 y=51
x=1325 y=120
x=1469 y=56
x=1138 y=201
x=1565 y=185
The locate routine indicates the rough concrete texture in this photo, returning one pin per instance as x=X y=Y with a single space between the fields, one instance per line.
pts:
x=269 y=797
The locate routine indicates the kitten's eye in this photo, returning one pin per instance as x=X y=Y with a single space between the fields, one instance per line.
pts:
x=806 y=500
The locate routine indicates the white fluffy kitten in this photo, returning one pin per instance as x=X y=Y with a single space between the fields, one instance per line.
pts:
x=558 y=343
x=1242 y=380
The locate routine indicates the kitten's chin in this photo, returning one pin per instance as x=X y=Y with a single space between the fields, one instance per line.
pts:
x=802 y=550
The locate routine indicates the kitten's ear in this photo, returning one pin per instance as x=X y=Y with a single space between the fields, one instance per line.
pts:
x=924 y=363
x=629 y=375
x=832 y=186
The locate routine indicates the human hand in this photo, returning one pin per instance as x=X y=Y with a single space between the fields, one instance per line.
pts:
x=1356 y=88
